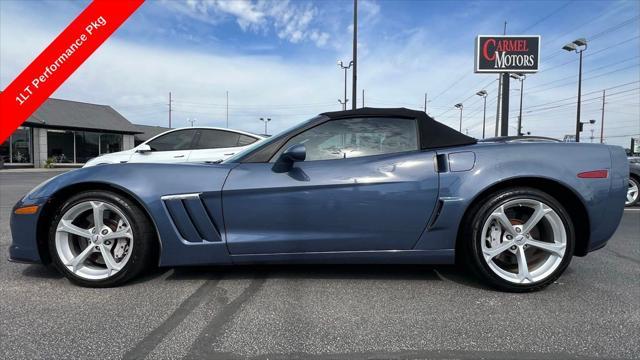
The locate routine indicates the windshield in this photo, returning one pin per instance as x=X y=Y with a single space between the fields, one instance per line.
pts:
x=265 y=142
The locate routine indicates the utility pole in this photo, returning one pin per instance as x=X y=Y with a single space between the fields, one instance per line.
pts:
x=425 y=103
x=460 y=106
x=500 y=90
x=169 y=109
x=227 y=109
x=602 y=119
x=191 y=121
x=362 y=97
x=354 y=81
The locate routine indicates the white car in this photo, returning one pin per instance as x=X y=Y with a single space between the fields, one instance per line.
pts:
x=192 y=144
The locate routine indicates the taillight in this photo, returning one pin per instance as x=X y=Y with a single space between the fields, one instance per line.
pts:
x=594 y=174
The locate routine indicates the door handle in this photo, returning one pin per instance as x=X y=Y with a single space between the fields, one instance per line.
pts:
x=229 y=154
x=178 y=156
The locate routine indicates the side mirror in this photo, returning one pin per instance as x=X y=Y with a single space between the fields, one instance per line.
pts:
x=143 y=149
x=293 y=153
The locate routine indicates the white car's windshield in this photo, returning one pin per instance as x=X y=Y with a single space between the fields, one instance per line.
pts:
x=258 y=144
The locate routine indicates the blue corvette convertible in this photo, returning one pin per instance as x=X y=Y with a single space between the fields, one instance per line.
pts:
x=362 y=186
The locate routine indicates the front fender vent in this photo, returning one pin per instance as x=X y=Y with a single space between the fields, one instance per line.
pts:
x=191 y=218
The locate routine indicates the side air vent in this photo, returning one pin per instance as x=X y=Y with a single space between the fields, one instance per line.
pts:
x=191 y=218
x=441 y=163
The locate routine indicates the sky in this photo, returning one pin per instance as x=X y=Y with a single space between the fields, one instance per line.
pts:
x=278 y=60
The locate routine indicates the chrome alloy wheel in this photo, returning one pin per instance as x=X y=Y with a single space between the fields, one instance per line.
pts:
x=632 y=192
x=94 y=240
x=523 y=241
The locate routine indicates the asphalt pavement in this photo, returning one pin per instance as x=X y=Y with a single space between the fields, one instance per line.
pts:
x=319 y=312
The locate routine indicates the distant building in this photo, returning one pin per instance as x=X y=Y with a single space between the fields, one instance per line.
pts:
x=68 y=133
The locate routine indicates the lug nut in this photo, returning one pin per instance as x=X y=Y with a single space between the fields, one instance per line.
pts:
x=513 y=247
x=108 y=242
x=97 y=248
x=518 y=230
x=509 y=237
x=105 y=232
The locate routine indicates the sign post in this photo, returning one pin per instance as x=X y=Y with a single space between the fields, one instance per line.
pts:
x=506 y=54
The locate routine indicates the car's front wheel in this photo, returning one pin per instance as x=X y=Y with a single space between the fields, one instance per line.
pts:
x=100 y=239
x=632 y=192
x=519 y=239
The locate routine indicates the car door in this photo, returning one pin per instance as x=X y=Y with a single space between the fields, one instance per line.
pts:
x=364 y=185
x=214 y=145
x=172 y=147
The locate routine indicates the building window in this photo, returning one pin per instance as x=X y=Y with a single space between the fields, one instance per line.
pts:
x=60 y=146
x=110 y=143
x=78 y=147
x=17 y=149
x=87 y=146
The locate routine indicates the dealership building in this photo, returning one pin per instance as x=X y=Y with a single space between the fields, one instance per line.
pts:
x=68 y=133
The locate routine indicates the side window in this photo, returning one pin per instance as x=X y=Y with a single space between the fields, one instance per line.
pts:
x=245 y=140
x=348 y=138
x=213 y=139
x=175 y=140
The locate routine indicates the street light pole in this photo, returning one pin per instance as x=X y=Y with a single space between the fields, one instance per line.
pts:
x=345 y=68
x=579 y=99
x=460 y=106
x=484 y=94
x=520 y=77
x=266 y=121
x=579 y=46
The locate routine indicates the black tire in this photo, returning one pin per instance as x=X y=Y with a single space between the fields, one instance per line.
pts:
x=472 y=237
x=637 y=183
x=143 y=249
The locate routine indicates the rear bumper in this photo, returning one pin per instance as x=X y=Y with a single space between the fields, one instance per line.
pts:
x=24 y=241
x=607 y=205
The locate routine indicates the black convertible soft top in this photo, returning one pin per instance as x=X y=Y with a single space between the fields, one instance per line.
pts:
x=432 y=133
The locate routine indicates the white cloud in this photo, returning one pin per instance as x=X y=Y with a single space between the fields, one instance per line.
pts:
x=291 y=21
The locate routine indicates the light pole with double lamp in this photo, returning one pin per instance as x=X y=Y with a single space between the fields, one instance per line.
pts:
x=521 y=78
x=345 y=68
x=579 y=46
x=266 y=121
x=484 y=94
x=460 y=106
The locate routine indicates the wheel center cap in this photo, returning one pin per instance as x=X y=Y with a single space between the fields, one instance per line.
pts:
x=97 y=239
x=520 y=239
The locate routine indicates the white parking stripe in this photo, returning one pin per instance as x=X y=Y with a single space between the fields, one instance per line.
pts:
x=632 y=209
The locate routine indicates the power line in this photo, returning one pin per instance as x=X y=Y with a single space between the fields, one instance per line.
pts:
x=586 y=72
x=547 y=16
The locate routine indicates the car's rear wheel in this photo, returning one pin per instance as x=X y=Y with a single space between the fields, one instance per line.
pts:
x=100 y=239
x=519 y=239
x=632 y=192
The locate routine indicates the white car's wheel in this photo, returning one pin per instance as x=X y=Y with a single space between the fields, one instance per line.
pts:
x=632 y=192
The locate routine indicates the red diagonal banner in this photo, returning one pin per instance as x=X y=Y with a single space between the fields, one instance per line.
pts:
x=60 y=59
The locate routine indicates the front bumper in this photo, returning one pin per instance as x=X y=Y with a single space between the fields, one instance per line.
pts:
x=24 y=233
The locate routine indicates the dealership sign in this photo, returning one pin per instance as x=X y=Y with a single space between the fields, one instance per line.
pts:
x=507 y=53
